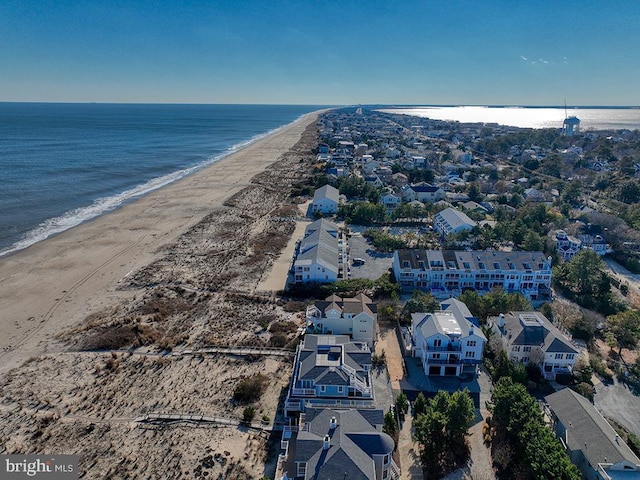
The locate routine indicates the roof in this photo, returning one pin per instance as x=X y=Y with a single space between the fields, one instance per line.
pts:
x=321 y=357
x=454 y=319
x=353 y=442
x=420 y=259
x=351 y=306
x=587 y=430
x=533 y=328
x=328 y=192
x=425 y=188
x=455 y=218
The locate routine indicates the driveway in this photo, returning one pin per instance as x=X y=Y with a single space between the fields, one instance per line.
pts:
x=376 y=264
x=619 y=403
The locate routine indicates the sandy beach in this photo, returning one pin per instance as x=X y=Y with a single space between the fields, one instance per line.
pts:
x=176 y=269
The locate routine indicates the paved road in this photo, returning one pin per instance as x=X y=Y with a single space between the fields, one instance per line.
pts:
x=619 y=403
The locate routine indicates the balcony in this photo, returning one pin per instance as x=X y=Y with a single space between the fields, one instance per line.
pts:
x=303 y=392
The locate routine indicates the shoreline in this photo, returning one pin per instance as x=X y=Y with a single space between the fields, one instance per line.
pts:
x=57 y=282
x=130 y=195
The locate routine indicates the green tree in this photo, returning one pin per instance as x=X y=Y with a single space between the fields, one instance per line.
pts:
x=624 y=328
x=419 y=302
x=442 y=429
x=420 y=405
x=583 y=278
x=402 y=404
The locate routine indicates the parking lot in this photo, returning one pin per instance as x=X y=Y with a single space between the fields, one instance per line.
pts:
x=375 y=264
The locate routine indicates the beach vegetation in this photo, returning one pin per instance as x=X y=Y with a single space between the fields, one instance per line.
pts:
x=250 y=389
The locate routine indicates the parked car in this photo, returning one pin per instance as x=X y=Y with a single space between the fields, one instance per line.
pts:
x=358 y=261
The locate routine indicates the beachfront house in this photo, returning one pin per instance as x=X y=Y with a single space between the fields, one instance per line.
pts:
x=529 y=337
x=330 y=370
x=356 y=317
x=328 y=444
x=449 y=342
x=321 y=254
x=591 y=442
x=326 y=200
x=446 y=273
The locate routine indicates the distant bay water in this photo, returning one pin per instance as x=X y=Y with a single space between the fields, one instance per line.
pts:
x=591 y=118
x=64 y=164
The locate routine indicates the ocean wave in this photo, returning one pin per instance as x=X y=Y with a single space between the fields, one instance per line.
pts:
x=100 y=206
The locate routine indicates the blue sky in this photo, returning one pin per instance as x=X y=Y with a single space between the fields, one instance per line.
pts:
x=321 y=52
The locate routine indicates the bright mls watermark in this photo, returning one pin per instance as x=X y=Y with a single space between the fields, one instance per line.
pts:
x=50 y=467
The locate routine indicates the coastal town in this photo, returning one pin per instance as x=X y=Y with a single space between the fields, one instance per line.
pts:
x=390 y=297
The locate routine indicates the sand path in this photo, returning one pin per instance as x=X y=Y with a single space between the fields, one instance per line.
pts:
x=54 y=284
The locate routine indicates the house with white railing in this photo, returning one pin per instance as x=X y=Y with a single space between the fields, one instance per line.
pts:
x=529 y=337
x=447 y=273
x=356 y=317
x=330 y=370
x=338 y=443
x=449 y=342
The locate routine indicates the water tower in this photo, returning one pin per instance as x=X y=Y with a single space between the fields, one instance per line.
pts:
x=570 y=125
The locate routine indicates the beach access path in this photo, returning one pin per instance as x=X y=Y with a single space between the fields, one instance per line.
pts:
x=56 y=283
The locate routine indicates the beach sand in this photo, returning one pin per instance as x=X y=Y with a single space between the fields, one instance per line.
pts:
x=176 y=269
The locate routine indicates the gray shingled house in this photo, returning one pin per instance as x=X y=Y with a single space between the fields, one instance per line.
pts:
x=338 y=444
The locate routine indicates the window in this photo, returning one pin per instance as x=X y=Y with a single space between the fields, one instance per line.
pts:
x=437 y=342
x=302 y=469
x=526 y=349
x=436 y=356
x=471 y=343
x=559 y=356
x=525 y=359
x=515 y=348
x=322 y=388
x=340 y=389
x=470 y=354
x=570 y=356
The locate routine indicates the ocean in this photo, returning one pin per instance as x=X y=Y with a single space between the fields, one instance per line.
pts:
x=591 y=118
x=64 y=164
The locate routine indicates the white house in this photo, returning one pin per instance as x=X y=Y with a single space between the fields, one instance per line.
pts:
x=390 y=200
x=529 y=337
x=423 y=193
x=446 y=273
x=356 y=317
x=326 y=199
x=450 y=221
x=447 y=342
x=321 y=254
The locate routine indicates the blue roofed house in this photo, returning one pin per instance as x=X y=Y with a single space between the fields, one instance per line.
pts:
x=330 y=370
x=449 y=342
x=338 y=444
x=423 y=192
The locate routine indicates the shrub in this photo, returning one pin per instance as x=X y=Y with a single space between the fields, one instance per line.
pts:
x=250 y=389
x=248 y=414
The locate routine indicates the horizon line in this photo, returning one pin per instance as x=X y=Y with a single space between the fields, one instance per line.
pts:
x=370 y=105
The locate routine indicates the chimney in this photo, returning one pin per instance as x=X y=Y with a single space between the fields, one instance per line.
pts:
x=326 y=442
x=501 y=321
x=333 y=424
